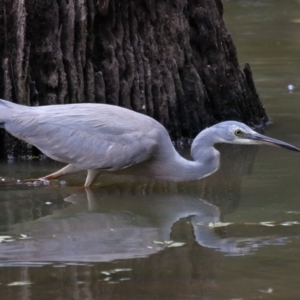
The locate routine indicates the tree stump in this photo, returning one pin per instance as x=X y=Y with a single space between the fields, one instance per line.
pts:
x=172 y=60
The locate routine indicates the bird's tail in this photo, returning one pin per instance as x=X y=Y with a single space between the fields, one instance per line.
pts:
x=6 y=111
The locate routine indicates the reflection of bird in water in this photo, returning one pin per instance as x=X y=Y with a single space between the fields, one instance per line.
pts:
x=98 y=137
x=106 y=224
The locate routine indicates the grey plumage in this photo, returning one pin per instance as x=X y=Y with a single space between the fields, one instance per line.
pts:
x=98 y=137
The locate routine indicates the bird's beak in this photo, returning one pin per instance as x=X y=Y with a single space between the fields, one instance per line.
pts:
x=262 y=139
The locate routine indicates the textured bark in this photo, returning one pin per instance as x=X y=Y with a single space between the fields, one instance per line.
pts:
x=172 y=60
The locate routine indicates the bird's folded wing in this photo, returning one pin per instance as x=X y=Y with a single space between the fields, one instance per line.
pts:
x=88 y=142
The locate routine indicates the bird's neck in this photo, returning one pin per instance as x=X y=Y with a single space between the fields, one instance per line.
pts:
x=171 y=166
x=203 y=165
x=181 y=169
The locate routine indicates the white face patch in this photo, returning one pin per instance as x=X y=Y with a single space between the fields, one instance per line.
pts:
x=245 y=141
x=242 y=139
x=235 y=128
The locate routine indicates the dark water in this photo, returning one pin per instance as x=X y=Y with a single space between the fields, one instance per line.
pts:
x=145 y=240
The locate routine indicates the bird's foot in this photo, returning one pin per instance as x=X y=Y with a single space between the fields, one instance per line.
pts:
x=37 y=181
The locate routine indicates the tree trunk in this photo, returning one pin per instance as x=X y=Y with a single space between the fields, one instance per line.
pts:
x=172 y=60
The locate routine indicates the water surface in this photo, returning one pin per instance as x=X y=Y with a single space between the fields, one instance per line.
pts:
x=234 y=235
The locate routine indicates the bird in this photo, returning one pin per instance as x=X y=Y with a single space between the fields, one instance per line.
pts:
x=107 y=138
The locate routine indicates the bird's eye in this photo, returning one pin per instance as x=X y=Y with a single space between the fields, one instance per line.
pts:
x=238 y=132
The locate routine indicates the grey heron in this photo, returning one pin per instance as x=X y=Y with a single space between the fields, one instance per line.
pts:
x=102 y=137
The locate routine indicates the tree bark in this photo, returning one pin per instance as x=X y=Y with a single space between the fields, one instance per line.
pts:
x=172 y=60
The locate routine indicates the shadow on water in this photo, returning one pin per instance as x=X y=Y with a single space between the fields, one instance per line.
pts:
x=128 y=239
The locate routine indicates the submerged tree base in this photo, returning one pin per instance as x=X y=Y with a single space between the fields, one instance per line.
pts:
x=172 y=60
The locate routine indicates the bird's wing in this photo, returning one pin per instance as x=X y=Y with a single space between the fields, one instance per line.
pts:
x=88 y=139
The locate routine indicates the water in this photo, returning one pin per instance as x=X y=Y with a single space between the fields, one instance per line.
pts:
x=145 y=240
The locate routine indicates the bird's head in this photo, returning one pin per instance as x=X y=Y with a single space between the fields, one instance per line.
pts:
x=233 y=132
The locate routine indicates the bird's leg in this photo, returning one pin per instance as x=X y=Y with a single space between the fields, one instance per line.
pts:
x=69 y=169
x=91 y=176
